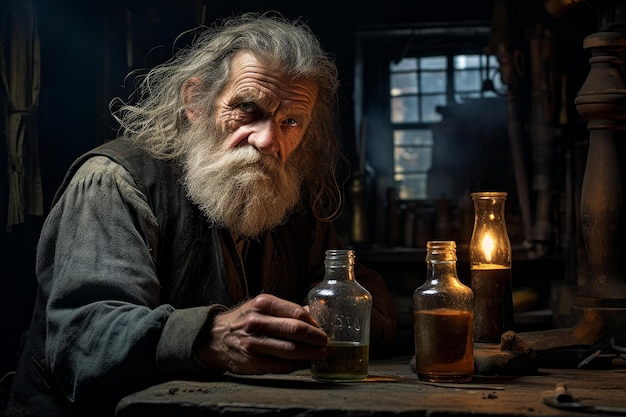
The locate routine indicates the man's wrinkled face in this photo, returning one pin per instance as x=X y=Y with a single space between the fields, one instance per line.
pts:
x=262 y=108
x=240 y=166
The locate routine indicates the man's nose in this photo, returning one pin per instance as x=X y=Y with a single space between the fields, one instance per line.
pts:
x=265 y=137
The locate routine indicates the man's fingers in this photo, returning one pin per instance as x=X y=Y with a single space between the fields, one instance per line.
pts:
x=296 y=331
x=290 y=329
x=274 y=306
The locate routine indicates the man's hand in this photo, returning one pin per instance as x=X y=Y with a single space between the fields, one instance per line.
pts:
x=264 y=335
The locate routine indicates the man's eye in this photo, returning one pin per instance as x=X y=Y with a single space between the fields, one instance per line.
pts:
x=291 y=122
x=247 y=107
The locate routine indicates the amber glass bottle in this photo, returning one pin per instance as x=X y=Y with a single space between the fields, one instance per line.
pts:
x=443 y=319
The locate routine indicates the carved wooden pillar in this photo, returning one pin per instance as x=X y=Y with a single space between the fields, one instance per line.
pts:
x=602 y=101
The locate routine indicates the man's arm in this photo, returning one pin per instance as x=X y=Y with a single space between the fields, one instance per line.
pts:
x=96 y=265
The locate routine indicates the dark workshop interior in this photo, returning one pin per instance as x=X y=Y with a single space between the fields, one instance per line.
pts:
x=438 y=100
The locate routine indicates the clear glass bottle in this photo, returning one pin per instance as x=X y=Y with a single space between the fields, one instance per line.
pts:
x=443 y=319
x=342 y=308
x=490 y=264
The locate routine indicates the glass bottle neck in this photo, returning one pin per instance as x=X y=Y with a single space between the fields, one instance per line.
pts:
x=441 y=271
x=441 y=260
x=340 y=265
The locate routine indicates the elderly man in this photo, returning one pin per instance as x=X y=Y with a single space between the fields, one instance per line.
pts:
x=186 y=247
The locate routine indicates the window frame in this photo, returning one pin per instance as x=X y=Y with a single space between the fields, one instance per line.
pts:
x=375 y=49
x=452 y=92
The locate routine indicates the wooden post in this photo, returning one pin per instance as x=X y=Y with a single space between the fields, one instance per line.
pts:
x=602 y=101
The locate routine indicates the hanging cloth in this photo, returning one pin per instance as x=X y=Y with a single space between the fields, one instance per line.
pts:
x=20 y=75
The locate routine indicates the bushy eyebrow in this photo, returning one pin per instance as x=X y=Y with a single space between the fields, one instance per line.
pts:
x=252 y=95
x=264 y=101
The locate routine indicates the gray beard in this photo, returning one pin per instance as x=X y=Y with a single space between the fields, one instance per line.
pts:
x=240 y=189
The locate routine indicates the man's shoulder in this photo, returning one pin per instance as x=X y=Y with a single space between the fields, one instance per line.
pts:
x=98 y=165
x=146 y=171
x=125 y=152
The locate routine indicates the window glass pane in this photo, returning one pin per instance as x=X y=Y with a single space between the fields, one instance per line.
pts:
x=433 y=81
x=493 y=62
x=412 y=158
x=415 y=137
x=405 y=64
x=404 y=109
x=467 y=80
x=430 y=104
x=467 y=61
x=403 y=83
x=411 y=186
x=433 y=62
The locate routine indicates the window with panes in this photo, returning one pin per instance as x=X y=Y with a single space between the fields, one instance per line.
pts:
x=418 y=86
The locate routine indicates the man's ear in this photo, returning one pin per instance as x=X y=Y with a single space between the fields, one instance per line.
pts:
x=188 y=91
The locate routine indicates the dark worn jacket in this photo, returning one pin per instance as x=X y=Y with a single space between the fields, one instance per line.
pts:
x=129 y=270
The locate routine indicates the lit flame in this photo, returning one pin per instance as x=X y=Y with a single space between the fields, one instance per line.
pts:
x=488 y=245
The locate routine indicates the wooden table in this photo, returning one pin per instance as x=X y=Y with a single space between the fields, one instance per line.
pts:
x=390 y=390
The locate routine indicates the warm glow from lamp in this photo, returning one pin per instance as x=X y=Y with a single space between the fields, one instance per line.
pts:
x=487 y=246
x=490 y=258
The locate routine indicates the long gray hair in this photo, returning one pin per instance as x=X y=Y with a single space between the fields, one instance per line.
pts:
x=158 y=117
